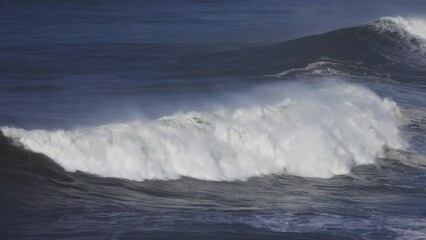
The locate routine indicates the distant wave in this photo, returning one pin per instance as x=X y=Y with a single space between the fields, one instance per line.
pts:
x=390 y=46
x=401 y=40
x=381 y=49
x=316 y=131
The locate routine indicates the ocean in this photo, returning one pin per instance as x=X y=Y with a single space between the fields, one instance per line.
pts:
x=213 y=119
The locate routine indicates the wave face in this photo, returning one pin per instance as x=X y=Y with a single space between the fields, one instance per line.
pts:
x=314 y=132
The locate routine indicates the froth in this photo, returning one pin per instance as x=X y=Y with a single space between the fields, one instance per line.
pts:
x=414 y=26
x=314 y=132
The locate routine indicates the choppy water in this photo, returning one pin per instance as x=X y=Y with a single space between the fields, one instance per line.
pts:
x=141 y=121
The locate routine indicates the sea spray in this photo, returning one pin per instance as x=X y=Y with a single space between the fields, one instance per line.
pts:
x=316 y=131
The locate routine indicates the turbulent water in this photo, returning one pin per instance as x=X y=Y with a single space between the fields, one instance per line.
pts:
x=321 y=137
x=342 y=125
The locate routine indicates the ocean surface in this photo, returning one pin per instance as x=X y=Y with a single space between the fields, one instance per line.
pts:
x=213 y=119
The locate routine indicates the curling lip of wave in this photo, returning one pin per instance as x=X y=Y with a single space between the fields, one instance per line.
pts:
x=413 y=26
x=313 y=132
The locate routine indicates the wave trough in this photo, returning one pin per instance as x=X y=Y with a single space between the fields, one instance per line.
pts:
x=313 y=132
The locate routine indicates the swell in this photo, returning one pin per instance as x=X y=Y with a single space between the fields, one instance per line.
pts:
x=391 y=46
x=313 y=131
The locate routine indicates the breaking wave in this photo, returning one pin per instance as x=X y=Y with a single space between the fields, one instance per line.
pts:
x=415 y=27
x=401 y=40
x=314 y=131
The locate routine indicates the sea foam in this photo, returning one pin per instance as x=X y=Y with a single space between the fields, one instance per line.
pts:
x=413 y=26
x=313 y=131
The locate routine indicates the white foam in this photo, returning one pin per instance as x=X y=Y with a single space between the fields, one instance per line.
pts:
x=314 y=132
x=414 y=26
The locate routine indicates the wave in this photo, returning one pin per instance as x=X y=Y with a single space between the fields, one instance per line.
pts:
x=314 y=131
x=390 y=46
x=396 y=43
x=402 y=41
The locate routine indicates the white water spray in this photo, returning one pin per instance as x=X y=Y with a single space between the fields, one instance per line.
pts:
x=314 y=132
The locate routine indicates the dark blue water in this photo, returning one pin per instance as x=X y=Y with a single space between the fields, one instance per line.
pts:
x=63 y=62
x=213 y=119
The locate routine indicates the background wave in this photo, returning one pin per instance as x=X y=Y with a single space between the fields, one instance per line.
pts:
x=388 y=48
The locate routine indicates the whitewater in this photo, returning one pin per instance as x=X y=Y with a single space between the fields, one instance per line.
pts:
x=312 y=132
x=412 y=26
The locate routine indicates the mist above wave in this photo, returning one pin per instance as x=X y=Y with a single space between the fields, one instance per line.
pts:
x=314 y=132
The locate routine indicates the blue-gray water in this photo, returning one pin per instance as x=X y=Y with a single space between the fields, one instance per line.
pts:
x=213 y=119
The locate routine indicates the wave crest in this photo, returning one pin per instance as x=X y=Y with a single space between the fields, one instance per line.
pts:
x=400 y=40
x=413 y=26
